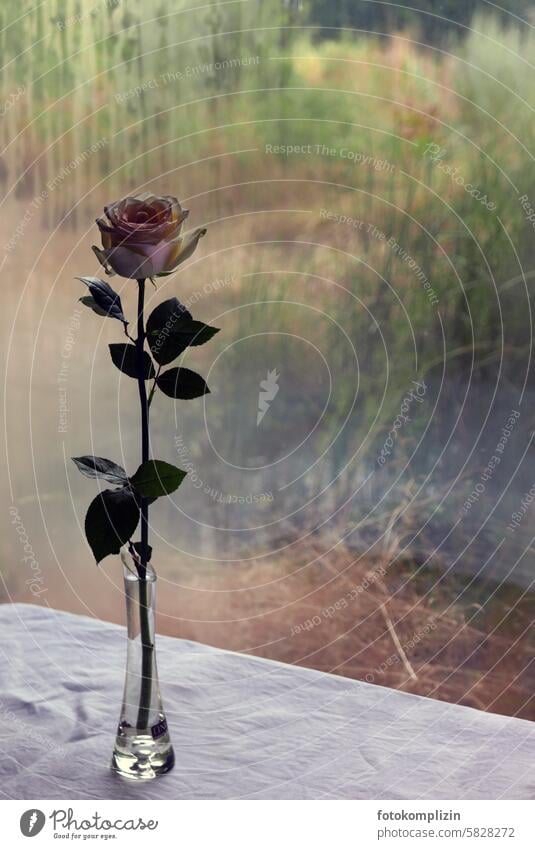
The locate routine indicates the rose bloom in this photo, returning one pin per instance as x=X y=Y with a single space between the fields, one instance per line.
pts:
x=141 y=237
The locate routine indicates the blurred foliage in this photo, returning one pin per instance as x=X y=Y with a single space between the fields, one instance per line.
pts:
x=436 y=20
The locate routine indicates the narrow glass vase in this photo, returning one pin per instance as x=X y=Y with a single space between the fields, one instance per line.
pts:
x=143 y=747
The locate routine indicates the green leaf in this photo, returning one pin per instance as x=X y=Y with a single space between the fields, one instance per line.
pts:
x=171 y=329
x=111 y=521
x=167 y=346
x=182 y=383
x=156 y=478
x=124 y=356
x=200 y=333
x=99 y=467
x=104 y=297
x=166 y=313
x=90 y=302
x=159 y=326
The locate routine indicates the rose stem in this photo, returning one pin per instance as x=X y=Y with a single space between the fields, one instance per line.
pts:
x=146 y=644
x=151 y=394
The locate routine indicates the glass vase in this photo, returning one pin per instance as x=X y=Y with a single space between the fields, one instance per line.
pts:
x=143 y=747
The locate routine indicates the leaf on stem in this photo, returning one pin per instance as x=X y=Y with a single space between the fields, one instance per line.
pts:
x=89 y=301
x=167 y=311
x=125 y=357
x=171 y=329
x=99 y=467
x=156 y=478
x=159 y=325
x=104 y=300
x=110 y=521
x=182 y=383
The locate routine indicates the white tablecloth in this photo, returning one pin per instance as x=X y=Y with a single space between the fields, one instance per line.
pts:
x=242 y=727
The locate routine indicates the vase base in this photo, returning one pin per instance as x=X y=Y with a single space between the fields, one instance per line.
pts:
x=142 y=758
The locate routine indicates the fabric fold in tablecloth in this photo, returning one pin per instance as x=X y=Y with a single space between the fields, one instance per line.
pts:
x=242 y=727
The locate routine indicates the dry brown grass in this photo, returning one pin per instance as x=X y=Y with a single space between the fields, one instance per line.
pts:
x=412 y=630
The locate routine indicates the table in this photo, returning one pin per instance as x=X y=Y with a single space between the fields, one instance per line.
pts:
x=242 y=727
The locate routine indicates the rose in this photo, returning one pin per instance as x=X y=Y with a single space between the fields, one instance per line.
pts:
x=141 y=237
